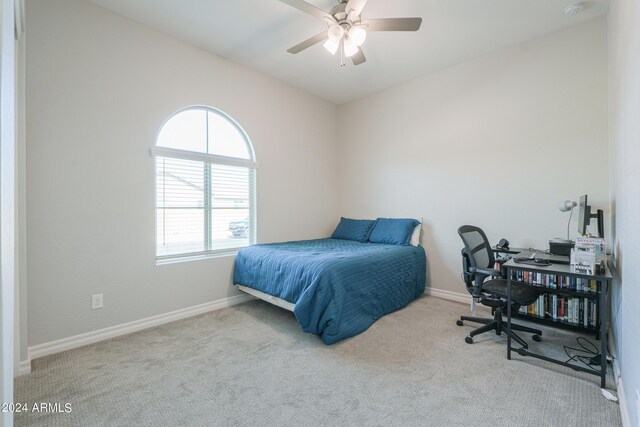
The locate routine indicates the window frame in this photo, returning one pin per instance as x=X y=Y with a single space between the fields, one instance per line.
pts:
x=159 y=152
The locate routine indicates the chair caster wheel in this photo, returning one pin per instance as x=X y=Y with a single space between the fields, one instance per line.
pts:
x=459 y=323
x=537 y=338
x=468 y=340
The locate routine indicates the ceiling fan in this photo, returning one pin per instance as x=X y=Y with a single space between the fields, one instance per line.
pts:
x=346 y=31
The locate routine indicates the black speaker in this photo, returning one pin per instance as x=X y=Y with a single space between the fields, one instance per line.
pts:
x=560 y=247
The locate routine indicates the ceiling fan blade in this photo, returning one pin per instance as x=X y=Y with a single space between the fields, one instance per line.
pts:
x=359 y=57
x=354 y=7
x=308 y=43
x=393 y=24
x=309 y=8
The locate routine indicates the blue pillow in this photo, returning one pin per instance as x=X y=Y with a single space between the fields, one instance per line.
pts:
x=393 y=231
x=353 y=229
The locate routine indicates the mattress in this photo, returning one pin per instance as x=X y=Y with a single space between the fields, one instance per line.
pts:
x=338 y=287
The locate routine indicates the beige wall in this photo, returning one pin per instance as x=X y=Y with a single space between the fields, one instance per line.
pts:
x=98 y=88
x=459 y=146
x=624 y=135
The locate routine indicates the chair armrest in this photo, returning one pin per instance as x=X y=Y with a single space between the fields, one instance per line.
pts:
x=486 y=271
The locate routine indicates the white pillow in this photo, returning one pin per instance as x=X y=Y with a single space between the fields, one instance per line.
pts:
x=415 y=236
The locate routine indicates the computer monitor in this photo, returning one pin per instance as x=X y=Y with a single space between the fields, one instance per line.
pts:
x=585 y=215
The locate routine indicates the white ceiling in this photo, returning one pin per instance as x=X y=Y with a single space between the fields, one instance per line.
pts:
x=257 y=33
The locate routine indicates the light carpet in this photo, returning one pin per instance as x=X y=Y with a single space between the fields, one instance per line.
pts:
x=251 y=365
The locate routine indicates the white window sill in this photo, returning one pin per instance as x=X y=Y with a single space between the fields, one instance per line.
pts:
x=196 y=257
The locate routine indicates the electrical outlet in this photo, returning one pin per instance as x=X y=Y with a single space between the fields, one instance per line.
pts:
x=96 y=301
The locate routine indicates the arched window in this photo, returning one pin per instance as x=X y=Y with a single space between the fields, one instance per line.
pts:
x=205 y=185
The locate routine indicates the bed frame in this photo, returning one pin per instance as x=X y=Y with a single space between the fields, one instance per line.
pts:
x=268 y=298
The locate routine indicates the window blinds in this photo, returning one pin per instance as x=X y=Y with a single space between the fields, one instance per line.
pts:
x=205 y=203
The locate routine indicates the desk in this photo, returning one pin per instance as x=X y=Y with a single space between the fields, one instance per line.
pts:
x=556 y=259
x=602 y=299
x=512 y=251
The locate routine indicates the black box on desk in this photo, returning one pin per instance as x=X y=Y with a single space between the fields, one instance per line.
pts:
x=560 y=247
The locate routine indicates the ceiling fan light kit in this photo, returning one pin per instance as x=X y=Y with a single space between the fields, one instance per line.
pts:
x=358 y=35
x=335 y=33
x=350 y=47
x=332 y=46
x=346 y=31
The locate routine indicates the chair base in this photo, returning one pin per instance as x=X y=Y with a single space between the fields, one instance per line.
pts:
x=498 y=325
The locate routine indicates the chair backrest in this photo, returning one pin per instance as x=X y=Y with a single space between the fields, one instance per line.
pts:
x=477 y=247
x=467 y=276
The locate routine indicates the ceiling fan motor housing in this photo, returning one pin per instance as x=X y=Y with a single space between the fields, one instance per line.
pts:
x=338 y=12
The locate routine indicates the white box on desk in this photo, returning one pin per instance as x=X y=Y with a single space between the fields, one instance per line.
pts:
x=584 y=255
x=599 y=245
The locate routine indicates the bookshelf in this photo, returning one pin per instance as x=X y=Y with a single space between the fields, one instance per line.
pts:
x=568 y=300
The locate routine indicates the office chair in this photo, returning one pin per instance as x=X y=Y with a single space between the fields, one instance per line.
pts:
x=477 y=264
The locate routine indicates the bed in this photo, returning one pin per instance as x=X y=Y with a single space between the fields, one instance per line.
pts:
x=336 y=288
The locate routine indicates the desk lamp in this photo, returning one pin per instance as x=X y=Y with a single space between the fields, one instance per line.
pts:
x=567 y=206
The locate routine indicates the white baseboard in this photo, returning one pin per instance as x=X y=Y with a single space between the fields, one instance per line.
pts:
x=24 y=368
x=448 y=295
x=76 y=341
x=617 y=376
x=624 y=408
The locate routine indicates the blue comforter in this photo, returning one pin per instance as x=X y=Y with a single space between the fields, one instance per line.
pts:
x=339 y=287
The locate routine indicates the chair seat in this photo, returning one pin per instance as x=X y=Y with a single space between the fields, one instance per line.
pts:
x=521 y=293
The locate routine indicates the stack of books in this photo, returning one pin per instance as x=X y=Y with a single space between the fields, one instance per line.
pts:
x=554 y=281
x=578 y=311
